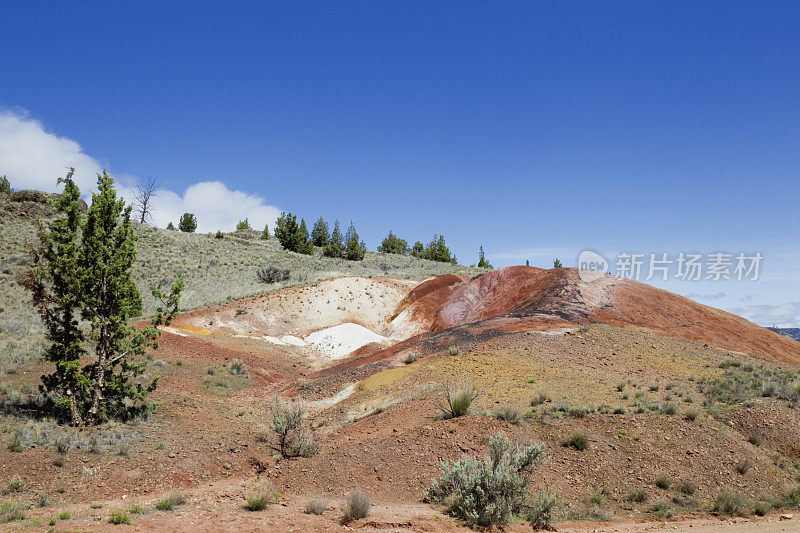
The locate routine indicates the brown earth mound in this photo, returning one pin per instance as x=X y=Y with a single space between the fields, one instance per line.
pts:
x=532 y=297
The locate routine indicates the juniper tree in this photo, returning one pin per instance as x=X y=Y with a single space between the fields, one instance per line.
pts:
x=84 y=267
x=265 y=234
x=243 y=225
x=437 y=250
x=557 y=264
x=293 y=236
x=393 y=244
x=482 y=262
x=354 y=249
x=418 y=250
x=171 y=226
x=5 y=185
x=319 y=234
x=187 y=223
x=335 y=246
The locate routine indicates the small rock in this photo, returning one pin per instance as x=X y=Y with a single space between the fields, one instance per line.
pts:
x=787 y=516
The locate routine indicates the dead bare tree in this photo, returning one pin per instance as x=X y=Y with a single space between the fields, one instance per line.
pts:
x=143 y=195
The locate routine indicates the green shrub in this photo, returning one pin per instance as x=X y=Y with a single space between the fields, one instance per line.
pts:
x=355 y=506
x=691 y=415
x=5 y=185
x=410 y=357
x=64 y=515
x=265 y=234
x=662 y=482
x=543 y=511
x=219 y=235
x=335 y=246
x=437 y=250
x=243 y=225
x=15 y=443
x=482 y=262
x=237 y=368
x=119 y=517
x=187 y=223
x=292 y=236
x=663 y=510
x=669 y=409
x=729 y=503
x=488 y=492
x=687 y=488
x=754 y=439
x=459 y=397
x=260 y=497
x=171 y=501
x=743 y=466
x=452 y=350
x=579 y=442
x=14 y=485
x=761 y=508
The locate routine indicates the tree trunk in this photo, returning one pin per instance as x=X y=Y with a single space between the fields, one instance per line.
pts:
x=99 y=380
x=74 y=413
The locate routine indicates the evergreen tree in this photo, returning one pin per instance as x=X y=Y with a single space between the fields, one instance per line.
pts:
x=85 y=266
x=557 y=264
x=292 y=236
x=243 y=225
x=393 y=244
x=319 y=234
x=527 y=263
x=418 y=250
x=171 y=226
x=482 y=262
x=437 y=250
x=354 y=250
x=265 y=234
x=335 y=246
x=5 y=185
x=187 y=223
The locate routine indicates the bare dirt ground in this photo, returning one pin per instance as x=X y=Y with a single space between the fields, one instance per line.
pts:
x=651 y=400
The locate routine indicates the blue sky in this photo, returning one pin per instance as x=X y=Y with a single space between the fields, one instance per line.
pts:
x=534 y=129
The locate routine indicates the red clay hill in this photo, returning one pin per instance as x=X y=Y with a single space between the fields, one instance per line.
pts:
x=520 y=298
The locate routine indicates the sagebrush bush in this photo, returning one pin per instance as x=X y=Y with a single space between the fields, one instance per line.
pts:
x=316 y=505
x=543 y=511
x=579 y=442
x=459 y=397
x=507 y=414
x=272 y=274
x=356 y=506
x=292 y=437
x=636 y=496
x=729 y=503
x=487 y=492
x=260 y=497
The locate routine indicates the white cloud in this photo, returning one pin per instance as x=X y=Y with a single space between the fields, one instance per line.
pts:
x=783 y=315
x=34 y=158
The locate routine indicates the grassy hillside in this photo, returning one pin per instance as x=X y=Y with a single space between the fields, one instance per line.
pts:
x=217 y=270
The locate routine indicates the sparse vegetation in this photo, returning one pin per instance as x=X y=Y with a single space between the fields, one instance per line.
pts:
x=171 y=501
x=355 y=506
x=662 y=482
x=14 y=485
x=119 y=518
x=636 y=496
x=273 y=274
x=543 y=511
x=487 y=492
x=316 y=505
x=260 y=497
x=187 y=223
x=579 y=442
x=507 y=414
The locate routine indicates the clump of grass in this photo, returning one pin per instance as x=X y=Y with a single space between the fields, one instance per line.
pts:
x=15 y=442
x=669 y=409
x=43 y=501
x=316 y=505
x=14 y=485
x=171 y=501
x=64 y=515
x=637 y=496
x=453 y=350
x=119 y=518
x=754 y=439
x=729 y=503
x=507 y=414
x=261 y=497
x=12 y=513
x=63 y=444
x=134 y=509
x=620 y=386
x=761 y=508
x=237 y=368
x=355 y=506
x=578 y=441
x=687 y=488
x=662 y=510
x=459 y=397
x=410 y=357
x=662 y=482
x=691 y=415
x=538 y=400
x=743 y=466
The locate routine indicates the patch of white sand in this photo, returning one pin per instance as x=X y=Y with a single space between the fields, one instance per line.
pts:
x=340 y=341
x=291 y=339
x=174 y=331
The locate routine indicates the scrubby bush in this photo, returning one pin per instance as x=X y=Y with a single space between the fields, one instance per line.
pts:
x=14 y=485
x=187 y=223
x=452 y=350
x=662 y=482
x=243 y=225
x=459 y=397
x=487 y=492
x=237 y=368
x=743 y=466
x=319 y=233
x=316 y=505
x=729 y=503
x=354 y=249
x=260 y=497
x=393 y=244
x=410 y=357
x=636 y=496
x=355 y=506
x=119 y=518
x=292 y=437
x=272 y=274
x=15 y=443
x=662 y=510
x=557 y=263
